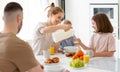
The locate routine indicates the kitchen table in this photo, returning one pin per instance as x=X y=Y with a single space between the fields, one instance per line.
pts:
x=96 y=64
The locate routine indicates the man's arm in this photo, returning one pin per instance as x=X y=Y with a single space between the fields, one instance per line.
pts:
x=38 y=68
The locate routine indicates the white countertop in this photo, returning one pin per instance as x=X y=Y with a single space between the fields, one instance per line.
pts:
x=96 y=64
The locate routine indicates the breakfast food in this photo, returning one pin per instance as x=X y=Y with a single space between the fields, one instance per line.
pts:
x=52 y=60
x=69 y=54
x=77 y=63
x=48 y=61
x=79 y=54
x=55 y=59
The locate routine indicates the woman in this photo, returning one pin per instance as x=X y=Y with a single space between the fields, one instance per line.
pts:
x=43 y=34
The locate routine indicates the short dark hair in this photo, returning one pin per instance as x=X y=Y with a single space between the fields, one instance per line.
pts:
x=12 y=6
x=103 y=23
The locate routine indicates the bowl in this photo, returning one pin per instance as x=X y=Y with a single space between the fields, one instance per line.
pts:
x=70 y=49
x=53 y=68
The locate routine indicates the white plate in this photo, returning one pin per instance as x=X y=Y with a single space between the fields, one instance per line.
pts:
x=52 y=64
x=70 y=49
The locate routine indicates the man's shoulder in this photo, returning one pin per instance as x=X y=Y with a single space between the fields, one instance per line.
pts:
x=7 y=36
x=10 y=38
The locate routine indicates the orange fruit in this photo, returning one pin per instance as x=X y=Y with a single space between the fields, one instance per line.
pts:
x=75 y=57
x=80 y=53
x=81 y=57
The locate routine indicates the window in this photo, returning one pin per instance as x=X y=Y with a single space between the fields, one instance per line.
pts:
x=107 y=11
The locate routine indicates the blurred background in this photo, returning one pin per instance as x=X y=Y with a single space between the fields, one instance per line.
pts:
x=77 y=11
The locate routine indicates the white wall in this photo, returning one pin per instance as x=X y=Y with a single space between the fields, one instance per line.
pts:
x=78 y=12
x=119 y=17
x=119 y=28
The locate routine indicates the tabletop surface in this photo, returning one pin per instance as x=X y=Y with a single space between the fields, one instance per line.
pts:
x=96 y=64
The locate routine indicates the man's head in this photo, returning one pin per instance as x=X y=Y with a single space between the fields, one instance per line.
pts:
x=13 y=15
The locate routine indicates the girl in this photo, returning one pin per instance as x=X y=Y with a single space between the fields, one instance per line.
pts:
x=43 y=34
x=102 y=41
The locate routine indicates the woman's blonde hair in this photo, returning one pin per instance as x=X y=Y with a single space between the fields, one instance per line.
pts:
x=53 y=9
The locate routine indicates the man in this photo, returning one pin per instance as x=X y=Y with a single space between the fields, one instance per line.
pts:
x=15 y=54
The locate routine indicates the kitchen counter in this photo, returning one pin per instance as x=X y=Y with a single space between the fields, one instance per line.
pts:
x=96 y=64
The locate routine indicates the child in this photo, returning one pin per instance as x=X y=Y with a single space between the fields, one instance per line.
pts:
x=66 y=42
x=69 y=41
x=102 y=41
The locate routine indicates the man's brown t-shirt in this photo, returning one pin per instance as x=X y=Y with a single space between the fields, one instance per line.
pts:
x=15 y=54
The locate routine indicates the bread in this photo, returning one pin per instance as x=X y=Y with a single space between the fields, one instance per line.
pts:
x=69 y=54
x=51 y=60
x=55 y=59
x=48 y=61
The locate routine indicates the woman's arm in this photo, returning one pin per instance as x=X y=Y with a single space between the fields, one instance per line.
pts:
x=57 y=45
x=53 y=28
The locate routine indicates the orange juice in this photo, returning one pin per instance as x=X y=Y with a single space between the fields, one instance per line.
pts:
x=86 y=58
x=52 y=50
